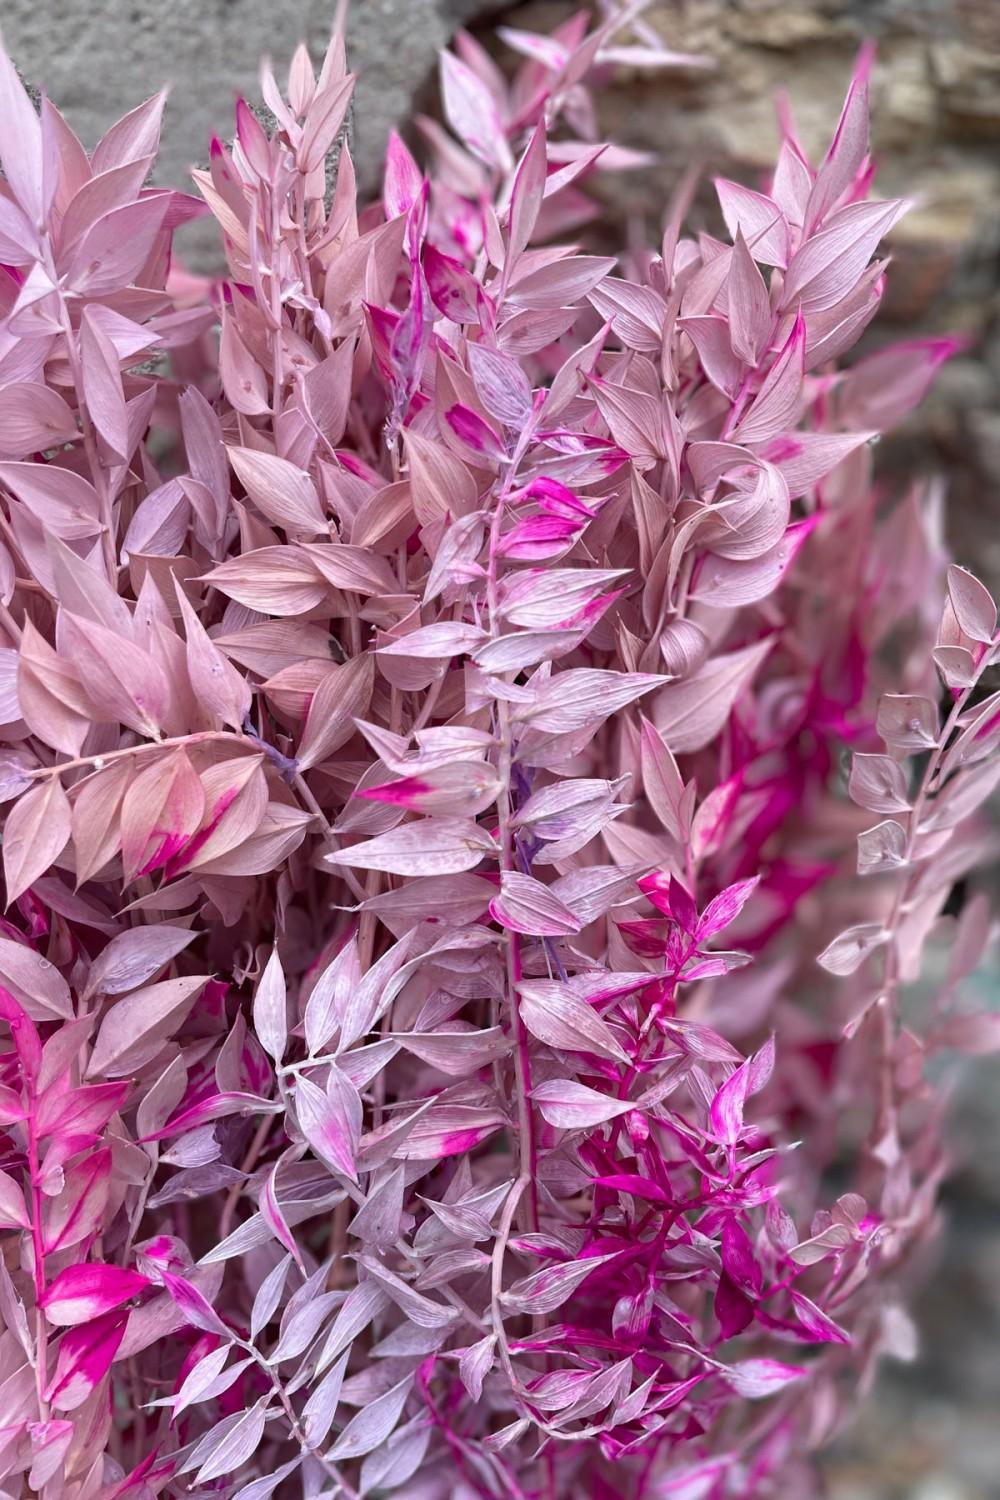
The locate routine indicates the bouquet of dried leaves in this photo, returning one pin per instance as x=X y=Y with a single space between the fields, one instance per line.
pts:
x=454 y=687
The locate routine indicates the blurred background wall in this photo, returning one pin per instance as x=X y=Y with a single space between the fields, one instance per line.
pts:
x=933 y=1430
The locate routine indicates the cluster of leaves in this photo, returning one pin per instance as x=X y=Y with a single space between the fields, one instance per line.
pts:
x=427 y=653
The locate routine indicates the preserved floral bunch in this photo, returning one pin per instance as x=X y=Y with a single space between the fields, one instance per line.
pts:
x=433 y=658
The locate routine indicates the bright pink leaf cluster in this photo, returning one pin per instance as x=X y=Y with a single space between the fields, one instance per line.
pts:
x=428 y=660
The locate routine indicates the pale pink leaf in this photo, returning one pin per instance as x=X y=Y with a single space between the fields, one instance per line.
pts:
x=848 y=951
x=973 y=604
x=574 y=1106
x=36 y=832
x=270 y=1008
x=526 y=905
x=555 y=1013
x=429 y=846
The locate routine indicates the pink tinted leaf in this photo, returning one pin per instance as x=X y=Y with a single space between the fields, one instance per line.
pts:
x=321 y=1407
x=502 y=386
x=37 y=830
x=13 y=1212
x=878 y=783
x=20 y=141
x=555 y=1014
x=113 y=252
x=81 y=1293
x=197 y=1310
x=526 y=905
x=690 y=714
x=725 y=908
x=727 y=1106
x=848 y=951
x=475 y=434
x=975 y=1033
x=758 y=218
x=102 y=386
x=454 y=292
x=331 y=1120
x=758 y=1378
x=270 y=1005
x=582 y=698
x=76 y=1213
x=545 y=1290
x=135 y=1028
x=973 y=604
x=402 y=179
x=662 y=781
x=476 y=1363
x=526 y=194
x=81 y=1113
x=285 y=494
x=429 y=846
x=135 y=956
x=819 y=1327
x=264 y=1488
x=471 y=112
x=324 y=121
x=373 y=1423
x=829 y=264
x=464 y=787
x=274 y=1218
x=59 y=497
x=775 y=406
x=32 y=983
x=907 y=723
x=341 y=698
x=749 y=309
x=880 y=389
x=848 y=148
x=222 y=693
x=328 y=998
x=243 y=379
x=229 y=1444
x=127 y=685
x=33 y=417
x=161 y=809
x=447 y=1130
x=573 y=1106
x=84 y=1358
x=804 y=458
x=202 y=1381
x=828 y=1242
x=214 y=1107
x=882 y=848
x=132 y=138
x=436 y=642
x=160 y=522
x=326 y=391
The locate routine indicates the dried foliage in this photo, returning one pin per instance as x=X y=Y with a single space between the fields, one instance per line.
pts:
x=430 y=657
